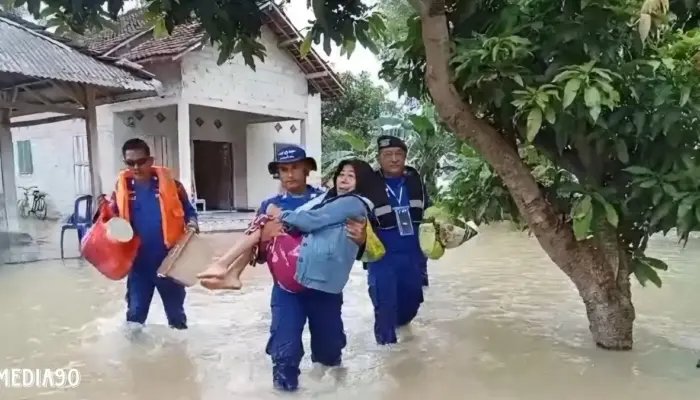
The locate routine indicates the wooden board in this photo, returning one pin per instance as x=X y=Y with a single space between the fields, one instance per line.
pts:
x=190 y=256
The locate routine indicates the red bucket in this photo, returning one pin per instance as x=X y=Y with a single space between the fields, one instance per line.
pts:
x=112 y=259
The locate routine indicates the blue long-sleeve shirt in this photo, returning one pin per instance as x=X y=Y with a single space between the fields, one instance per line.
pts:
x=147 y=222
x=327 y=254
x=391 y=238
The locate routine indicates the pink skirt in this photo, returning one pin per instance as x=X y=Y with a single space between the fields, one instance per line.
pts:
x=281 y=254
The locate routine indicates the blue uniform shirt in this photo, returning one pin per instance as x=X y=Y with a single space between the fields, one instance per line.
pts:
x=147 y=221
x=391 y=238
x=288 y=201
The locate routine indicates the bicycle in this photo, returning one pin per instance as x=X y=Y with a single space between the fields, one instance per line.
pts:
x=38 y=207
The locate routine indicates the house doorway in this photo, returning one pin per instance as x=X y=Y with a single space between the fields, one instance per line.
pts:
x=213 y=173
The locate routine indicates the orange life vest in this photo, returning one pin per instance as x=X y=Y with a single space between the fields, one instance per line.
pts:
x=171 y=210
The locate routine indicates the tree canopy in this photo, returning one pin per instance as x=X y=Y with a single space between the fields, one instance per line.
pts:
x=362 y=103
x=615 y=107
x=233 y=25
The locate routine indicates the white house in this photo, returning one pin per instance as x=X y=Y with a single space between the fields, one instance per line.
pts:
x=216 y=126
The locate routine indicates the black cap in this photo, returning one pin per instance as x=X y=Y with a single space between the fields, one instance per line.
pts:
x=387 y=141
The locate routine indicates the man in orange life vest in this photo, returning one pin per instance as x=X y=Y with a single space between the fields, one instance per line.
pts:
x=160 y=212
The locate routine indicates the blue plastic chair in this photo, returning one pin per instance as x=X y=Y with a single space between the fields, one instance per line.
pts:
x=80 y=221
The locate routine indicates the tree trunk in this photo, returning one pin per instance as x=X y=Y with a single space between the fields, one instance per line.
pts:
x=608 y=304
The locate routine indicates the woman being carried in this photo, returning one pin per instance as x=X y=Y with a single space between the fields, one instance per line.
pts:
x=326 y=254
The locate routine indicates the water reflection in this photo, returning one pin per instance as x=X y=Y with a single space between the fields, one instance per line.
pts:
x=496 y=324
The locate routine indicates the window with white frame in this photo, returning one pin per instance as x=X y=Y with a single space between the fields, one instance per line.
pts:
x=25 y=163
x=81 y=165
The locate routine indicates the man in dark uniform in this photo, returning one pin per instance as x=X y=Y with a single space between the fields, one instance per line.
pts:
x=396 y=281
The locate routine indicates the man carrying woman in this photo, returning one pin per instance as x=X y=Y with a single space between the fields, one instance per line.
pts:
x=291 y=310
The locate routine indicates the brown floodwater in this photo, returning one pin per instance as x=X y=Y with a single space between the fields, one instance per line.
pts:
x=500 y=321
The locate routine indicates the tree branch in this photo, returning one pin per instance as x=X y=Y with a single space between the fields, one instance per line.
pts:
x=557 y=239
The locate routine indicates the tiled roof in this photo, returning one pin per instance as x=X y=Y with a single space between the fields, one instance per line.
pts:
x=28 y=51
x=145 y=48
x=130 y=23
x=182 y=38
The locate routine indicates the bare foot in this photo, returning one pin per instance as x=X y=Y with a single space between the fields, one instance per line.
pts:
x=214 y=270
x=227 y=283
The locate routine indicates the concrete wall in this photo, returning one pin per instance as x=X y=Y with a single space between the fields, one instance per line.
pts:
x=260 y=152
x=52 y=156
x=261 y=139
x=277 y=87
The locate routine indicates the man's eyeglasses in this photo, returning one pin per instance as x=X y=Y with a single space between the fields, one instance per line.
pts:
x=136 y=163
x=389 y=155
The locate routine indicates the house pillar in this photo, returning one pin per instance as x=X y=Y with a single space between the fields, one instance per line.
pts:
x=184 y=144
x=93 y=146
x=311 y=135
x=7 y=165
x=302 y=134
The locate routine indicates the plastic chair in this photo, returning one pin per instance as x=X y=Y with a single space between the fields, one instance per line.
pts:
x=81 y=222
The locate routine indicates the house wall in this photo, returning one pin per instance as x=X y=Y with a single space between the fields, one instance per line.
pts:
x=276 y=90
x=260 y=152
x=261 y=139
x=52 y=148
x=277 y=87
x=232 y=130
x=52 y=156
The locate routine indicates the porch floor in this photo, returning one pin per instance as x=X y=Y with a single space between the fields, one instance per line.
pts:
x=224 y=221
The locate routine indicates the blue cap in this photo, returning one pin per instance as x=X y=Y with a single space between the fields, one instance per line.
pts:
x=288 y=155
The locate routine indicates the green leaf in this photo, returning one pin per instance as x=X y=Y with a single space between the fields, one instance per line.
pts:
x=661 y=212
x=550 y=115
x=686 y=206
x=611 y=214
x=639 y=118
x=518 y=79
x=319 y=8
x=349 y=47
x=534 y=122
x=670 y=189
x=638 y=170
x=591 y=97
x=570 y=91
x=648 y=183
x=685 y=95
x=356 y=142
x=582 y=217
x=622 y=153
x=421 y=123
x=327 y=43
x=697 y=214
x=305 y=47
x=562 y=76
x=644 y=272
x=594 y=113
x=656 y=263
x=159 y=29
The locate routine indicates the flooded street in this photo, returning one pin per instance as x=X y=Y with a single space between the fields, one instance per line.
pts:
x=500 y=321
